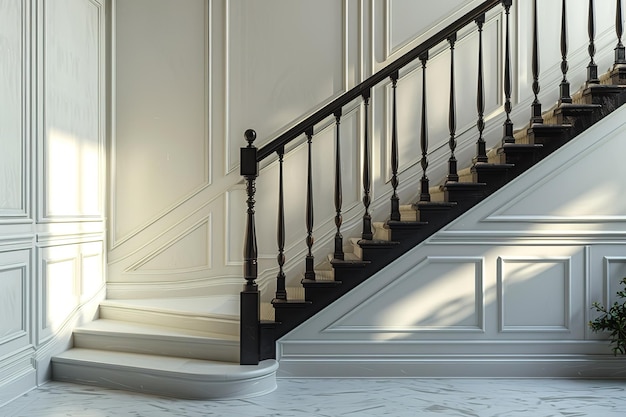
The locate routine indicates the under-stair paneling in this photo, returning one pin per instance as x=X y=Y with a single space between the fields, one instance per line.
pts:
x=608 y=267
x=536 y=274
x=541 y=282
x=13 y=128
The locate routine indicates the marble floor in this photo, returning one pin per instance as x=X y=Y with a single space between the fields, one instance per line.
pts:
x=346 y=397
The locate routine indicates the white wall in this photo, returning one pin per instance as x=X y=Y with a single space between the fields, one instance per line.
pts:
x=52 y=181
x=190 y=76
x=505 y=290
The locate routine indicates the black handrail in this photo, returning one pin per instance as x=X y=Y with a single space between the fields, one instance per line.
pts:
x=372 y=81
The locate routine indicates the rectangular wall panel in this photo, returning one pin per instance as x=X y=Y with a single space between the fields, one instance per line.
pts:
x=534 y=294
x=13 y=67
x=161 y=145
x=72 y=109
x=15 y=301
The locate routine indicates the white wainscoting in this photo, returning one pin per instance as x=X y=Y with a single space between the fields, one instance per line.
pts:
x=52 y=231
x=504 y=290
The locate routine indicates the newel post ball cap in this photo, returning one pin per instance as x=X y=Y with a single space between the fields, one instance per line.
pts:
x=250 y=136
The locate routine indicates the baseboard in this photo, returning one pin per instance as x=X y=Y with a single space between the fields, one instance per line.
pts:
x=540 y=366
x=17 y=375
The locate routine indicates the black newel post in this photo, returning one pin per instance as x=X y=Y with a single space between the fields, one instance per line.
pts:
x=250 y=296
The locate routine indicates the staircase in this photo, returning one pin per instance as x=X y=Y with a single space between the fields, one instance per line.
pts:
x=190 y=348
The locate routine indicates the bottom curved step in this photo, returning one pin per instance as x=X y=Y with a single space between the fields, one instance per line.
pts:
x=162 y=375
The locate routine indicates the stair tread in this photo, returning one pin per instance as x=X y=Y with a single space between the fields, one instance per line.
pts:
x=141 y=330
x=226 y=306
x=168 y=365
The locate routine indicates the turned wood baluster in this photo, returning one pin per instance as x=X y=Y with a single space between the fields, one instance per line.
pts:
x=564 y=89
x=481 y=147
x=367 y=218
x=309 y=272
x=395 y=200
x=452 y=168
x=535 y=113
x=620 y=51
x=592 y=68
x=508 y=124
x=250 y=296
x=338 y=254
x=425 y=193
x=281 y=292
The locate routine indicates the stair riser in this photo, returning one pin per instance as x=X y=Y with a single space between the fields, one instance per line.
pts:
x=161 y=383
x=203 y=324
x=218 y=350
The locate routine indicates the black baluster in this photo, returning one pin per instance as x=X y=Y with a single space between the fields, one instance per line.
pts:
x=508 y=124
x=620 y=52
x=367 y=218
x=425 y=193
x=535 y=114
x=592 y=68
x=395 y=200
x=452 y=168
x=309 y=272
x=281 y=292
x=338 y=254
x=250 y=297
x=481 y=147
x=564 y=89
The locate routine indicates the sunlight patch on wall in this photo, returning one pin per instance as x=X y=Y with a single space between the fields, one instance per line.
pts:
x=73 y=175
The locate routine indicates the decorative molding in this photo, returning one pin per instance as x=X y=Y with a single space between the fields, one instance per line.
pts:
x=46 y=285
x=607 y=293
x=115 y=240
x=44 y=216
x=205 y=221
x=338 y=326
x=231 y=166
x=459 y=365
x=21 y=214
x=23 y=331
x=502 y=296
x=390 y=50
